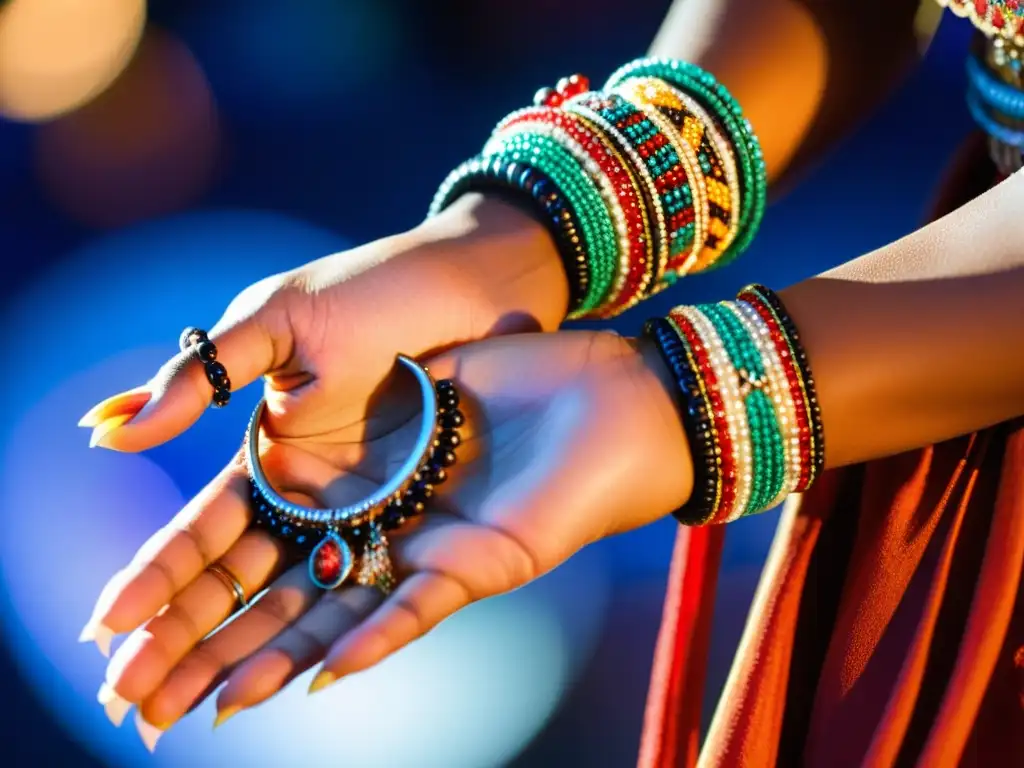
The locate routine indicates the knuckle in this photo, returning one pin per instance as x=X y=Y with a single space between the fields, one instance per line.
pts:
x=276 y=606
x=203 y=661
x=176 y=621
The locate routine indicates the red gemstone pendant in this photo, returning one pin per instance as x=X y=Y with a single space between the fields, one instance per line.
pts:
x=330 y=562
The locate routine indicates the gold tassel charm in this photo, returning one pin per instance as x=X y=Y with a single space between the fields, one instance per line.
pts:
x=375 y=564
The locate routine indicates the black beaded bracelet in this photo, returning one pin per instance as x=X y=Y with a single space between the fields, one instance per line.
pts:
x=803 y=367
x=206 y=350
x=696 y=422
x=529 y=189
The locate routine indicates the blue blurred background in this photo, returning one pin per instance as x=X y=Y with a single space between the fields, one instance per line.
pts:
x=154 y=160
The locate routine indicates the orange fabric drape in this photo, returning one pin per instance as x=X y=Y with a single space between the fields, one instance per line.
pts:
x=887 y=630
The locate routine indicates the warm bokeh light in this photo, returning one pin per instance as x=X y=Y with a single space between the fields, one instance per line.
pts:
x=56 y=55
x=147 y=146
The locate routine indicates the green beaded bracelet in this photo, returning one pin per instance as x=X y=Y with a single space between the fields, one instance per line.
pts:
x=598 y=229
x=717 y=99
x=767 y=449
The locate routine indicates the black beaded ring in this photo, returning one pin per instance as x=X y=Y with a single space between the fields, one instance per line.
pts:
x=701 y=505
x=216 y=373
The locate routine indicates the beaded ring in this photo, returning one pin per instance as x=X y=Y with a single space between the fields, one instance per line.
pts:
x=216 y=373
x=332 y=535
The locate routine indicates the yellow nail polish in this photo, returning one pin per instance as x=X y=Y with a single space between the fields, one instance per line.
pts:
x=321 y=681
x=105 y=428
x=130 y=402
x=226 y=714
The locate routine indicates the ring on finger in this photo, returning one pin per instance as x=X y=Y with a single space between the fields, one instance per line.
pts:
x=229 y=580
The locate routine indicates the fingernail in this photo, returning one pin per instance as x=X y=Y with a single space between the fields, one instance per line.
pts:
x=226 y=714
x=125 y=403
x=149 y=734
x=99 y=633
x=321 y=681
x=105 y=428
x=115 y=706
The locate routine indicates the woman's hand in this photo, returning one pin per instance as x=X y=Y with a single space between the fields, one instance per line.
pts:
x=325 y=334
x=569 y=437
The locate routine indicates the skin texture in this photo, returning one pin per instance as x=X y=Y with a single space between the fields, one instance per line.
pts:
x=484 y=269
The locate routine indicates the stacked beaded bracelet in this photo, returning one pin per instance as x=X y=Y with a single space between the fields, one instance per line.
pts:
x=216 y=373
x=997 y=107
x=659 y=174
x=748 y=401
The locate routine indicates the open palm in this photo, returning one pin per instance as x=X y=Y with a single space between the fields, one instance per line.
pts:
x=569 y=437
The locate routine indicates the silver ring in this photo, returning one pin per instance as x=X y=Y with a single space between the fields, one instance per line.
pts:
x=229 y=580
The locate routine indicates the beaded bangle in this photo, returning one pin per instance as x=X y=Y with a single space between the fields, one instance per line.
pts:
x=654 y=178
x=749 y=404
x=716 y=99
x=714 y=155
x=518 y=184
x=687 y=255
x=679 y=360
x=597 y=228
x=655 y=210
x=637 y=248
x=998 y=96
x=784 y=332
x=610 y=171
x=548 y=141
x=660 y=159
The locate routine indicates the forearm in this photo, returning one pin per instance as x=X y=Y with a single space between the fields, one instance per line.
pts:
x=805 y=71
x=920 y=341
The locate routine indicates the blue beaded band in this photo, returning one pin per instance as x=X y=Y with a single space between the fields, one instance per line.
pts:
x=998 y=96
x=991 y=126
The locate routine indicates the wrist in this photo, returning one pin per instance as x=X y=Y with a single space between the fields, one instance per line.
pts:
x=506 y=253
x=671 y=454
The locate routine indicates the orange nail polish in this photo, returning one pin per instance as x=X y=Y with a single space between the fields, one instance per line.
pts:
x=321 y=681
x=103 y=430
x=126 y=403
x=226 y=714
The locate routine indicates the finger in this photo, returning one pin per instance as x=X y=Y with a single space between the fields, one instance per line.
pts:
x=416 y=607
x=205 y=665
x=149 y=654
x=200 y=534
x=252 y=338
x=296 y=649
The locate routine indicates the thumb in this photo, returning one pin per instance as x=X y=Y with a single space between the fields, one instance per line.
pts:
x=247 y=345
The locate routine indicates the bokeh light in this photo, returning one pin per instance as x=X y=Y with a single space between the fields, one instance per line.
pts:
x=472 y=694
x=147 y=146
x=55 y=55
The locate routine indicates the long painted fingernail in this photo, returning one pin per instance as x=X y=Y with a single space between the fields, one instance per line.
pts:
x=150 y=734
x=115 y=706
x=99 y=633
x=130 y=402
x=321 y=681
x=102 y=431
x=226 y=714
